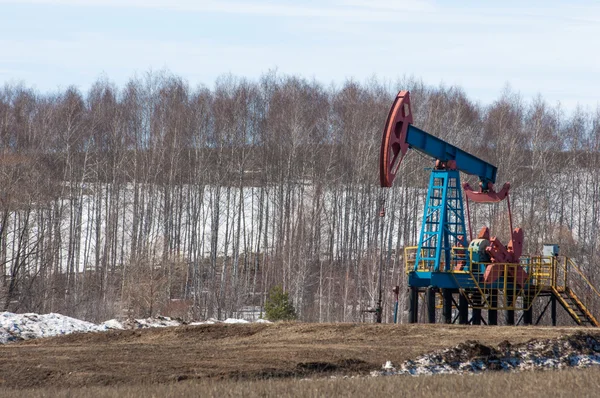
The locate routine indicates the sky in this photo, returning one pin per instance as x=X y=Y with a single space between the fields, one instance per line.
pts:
x=548 y=48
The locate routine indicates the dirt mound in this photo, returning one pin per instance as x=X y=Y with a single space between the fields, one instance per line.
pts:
x=350 y=366
x=467 y=351
x=241 y=351
x=576 y=350
x=344 y=365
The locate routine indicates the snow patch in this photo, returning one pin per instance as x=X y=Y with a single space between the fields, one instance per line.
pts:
x=233 y=320
x=580 y=351
x=17 y=327
x=209 y=321
x=112 y=324
x=154 y=322
x=14 y=327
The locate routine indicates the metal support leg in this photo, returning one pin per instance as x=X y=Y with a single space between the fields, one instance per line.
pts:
x=413 y=305
x=431 y=304
x=510 y=314
x=553 y=309
x=463 y=309
x=447 y=305
x=476 y=316
x=476 y=311
x=493 y=314
x=528 y=313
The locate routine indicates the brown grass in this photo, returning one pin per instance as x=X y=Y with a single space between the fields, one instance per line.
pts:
x=569 y=383
x=265 y=360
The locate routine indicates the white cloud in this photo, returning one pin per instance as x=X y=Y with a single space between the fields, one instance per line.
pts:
x=345 y=9
x=389 y=5
x=548 y=50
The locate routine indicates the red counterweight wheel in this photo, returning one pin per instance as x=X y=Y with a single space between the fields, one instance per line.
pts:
x=393 y=144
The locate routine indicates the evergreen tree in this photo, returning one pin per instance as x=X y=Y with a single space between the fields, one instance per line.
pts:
x=278 y=306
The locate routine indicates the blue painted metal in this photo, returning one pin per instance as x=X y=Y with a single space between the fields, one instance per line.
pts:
x=443 y=224
x=442 y=280
x=441 y=150
x=447 y=280
x=419 y=279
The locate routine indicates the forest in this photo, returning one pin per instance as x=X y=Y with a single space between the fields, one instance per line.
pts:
x=161 y=198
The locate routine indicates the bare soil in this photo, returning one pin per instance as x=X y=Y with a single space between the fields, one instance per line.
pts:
x=234 y=352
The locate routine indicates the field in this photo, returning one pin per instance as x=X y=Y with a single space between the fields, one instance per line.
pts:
x=268 y=360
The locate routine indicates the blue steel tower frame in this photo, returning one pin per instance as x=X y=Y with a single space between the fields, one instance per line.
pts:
x=443 y=223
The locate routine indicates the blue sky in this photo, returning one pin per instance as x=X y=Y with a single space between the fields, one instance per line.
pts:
x=537 y=47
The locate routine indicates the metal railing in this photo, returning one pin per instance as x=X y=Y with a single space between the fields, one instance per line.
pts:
x=572 y=282
x=504 y=291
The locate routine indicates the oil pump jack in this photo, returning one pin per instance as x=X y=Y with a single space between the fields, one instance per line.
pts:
x=481 y=272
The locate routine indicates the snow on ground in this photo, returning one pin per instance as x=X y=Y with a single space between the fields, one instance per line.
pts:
x=209 y=321
x=580 y=350
x=233 y=320
x=154 y=322
x=16 y=327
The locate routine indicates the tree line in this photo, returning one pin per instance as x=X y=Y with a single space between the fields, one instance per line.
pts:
x=159 y=197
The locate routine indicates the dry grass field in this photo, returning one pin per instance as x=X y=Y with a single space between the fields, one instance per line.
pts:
x=571 y=383
x=269 y=360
